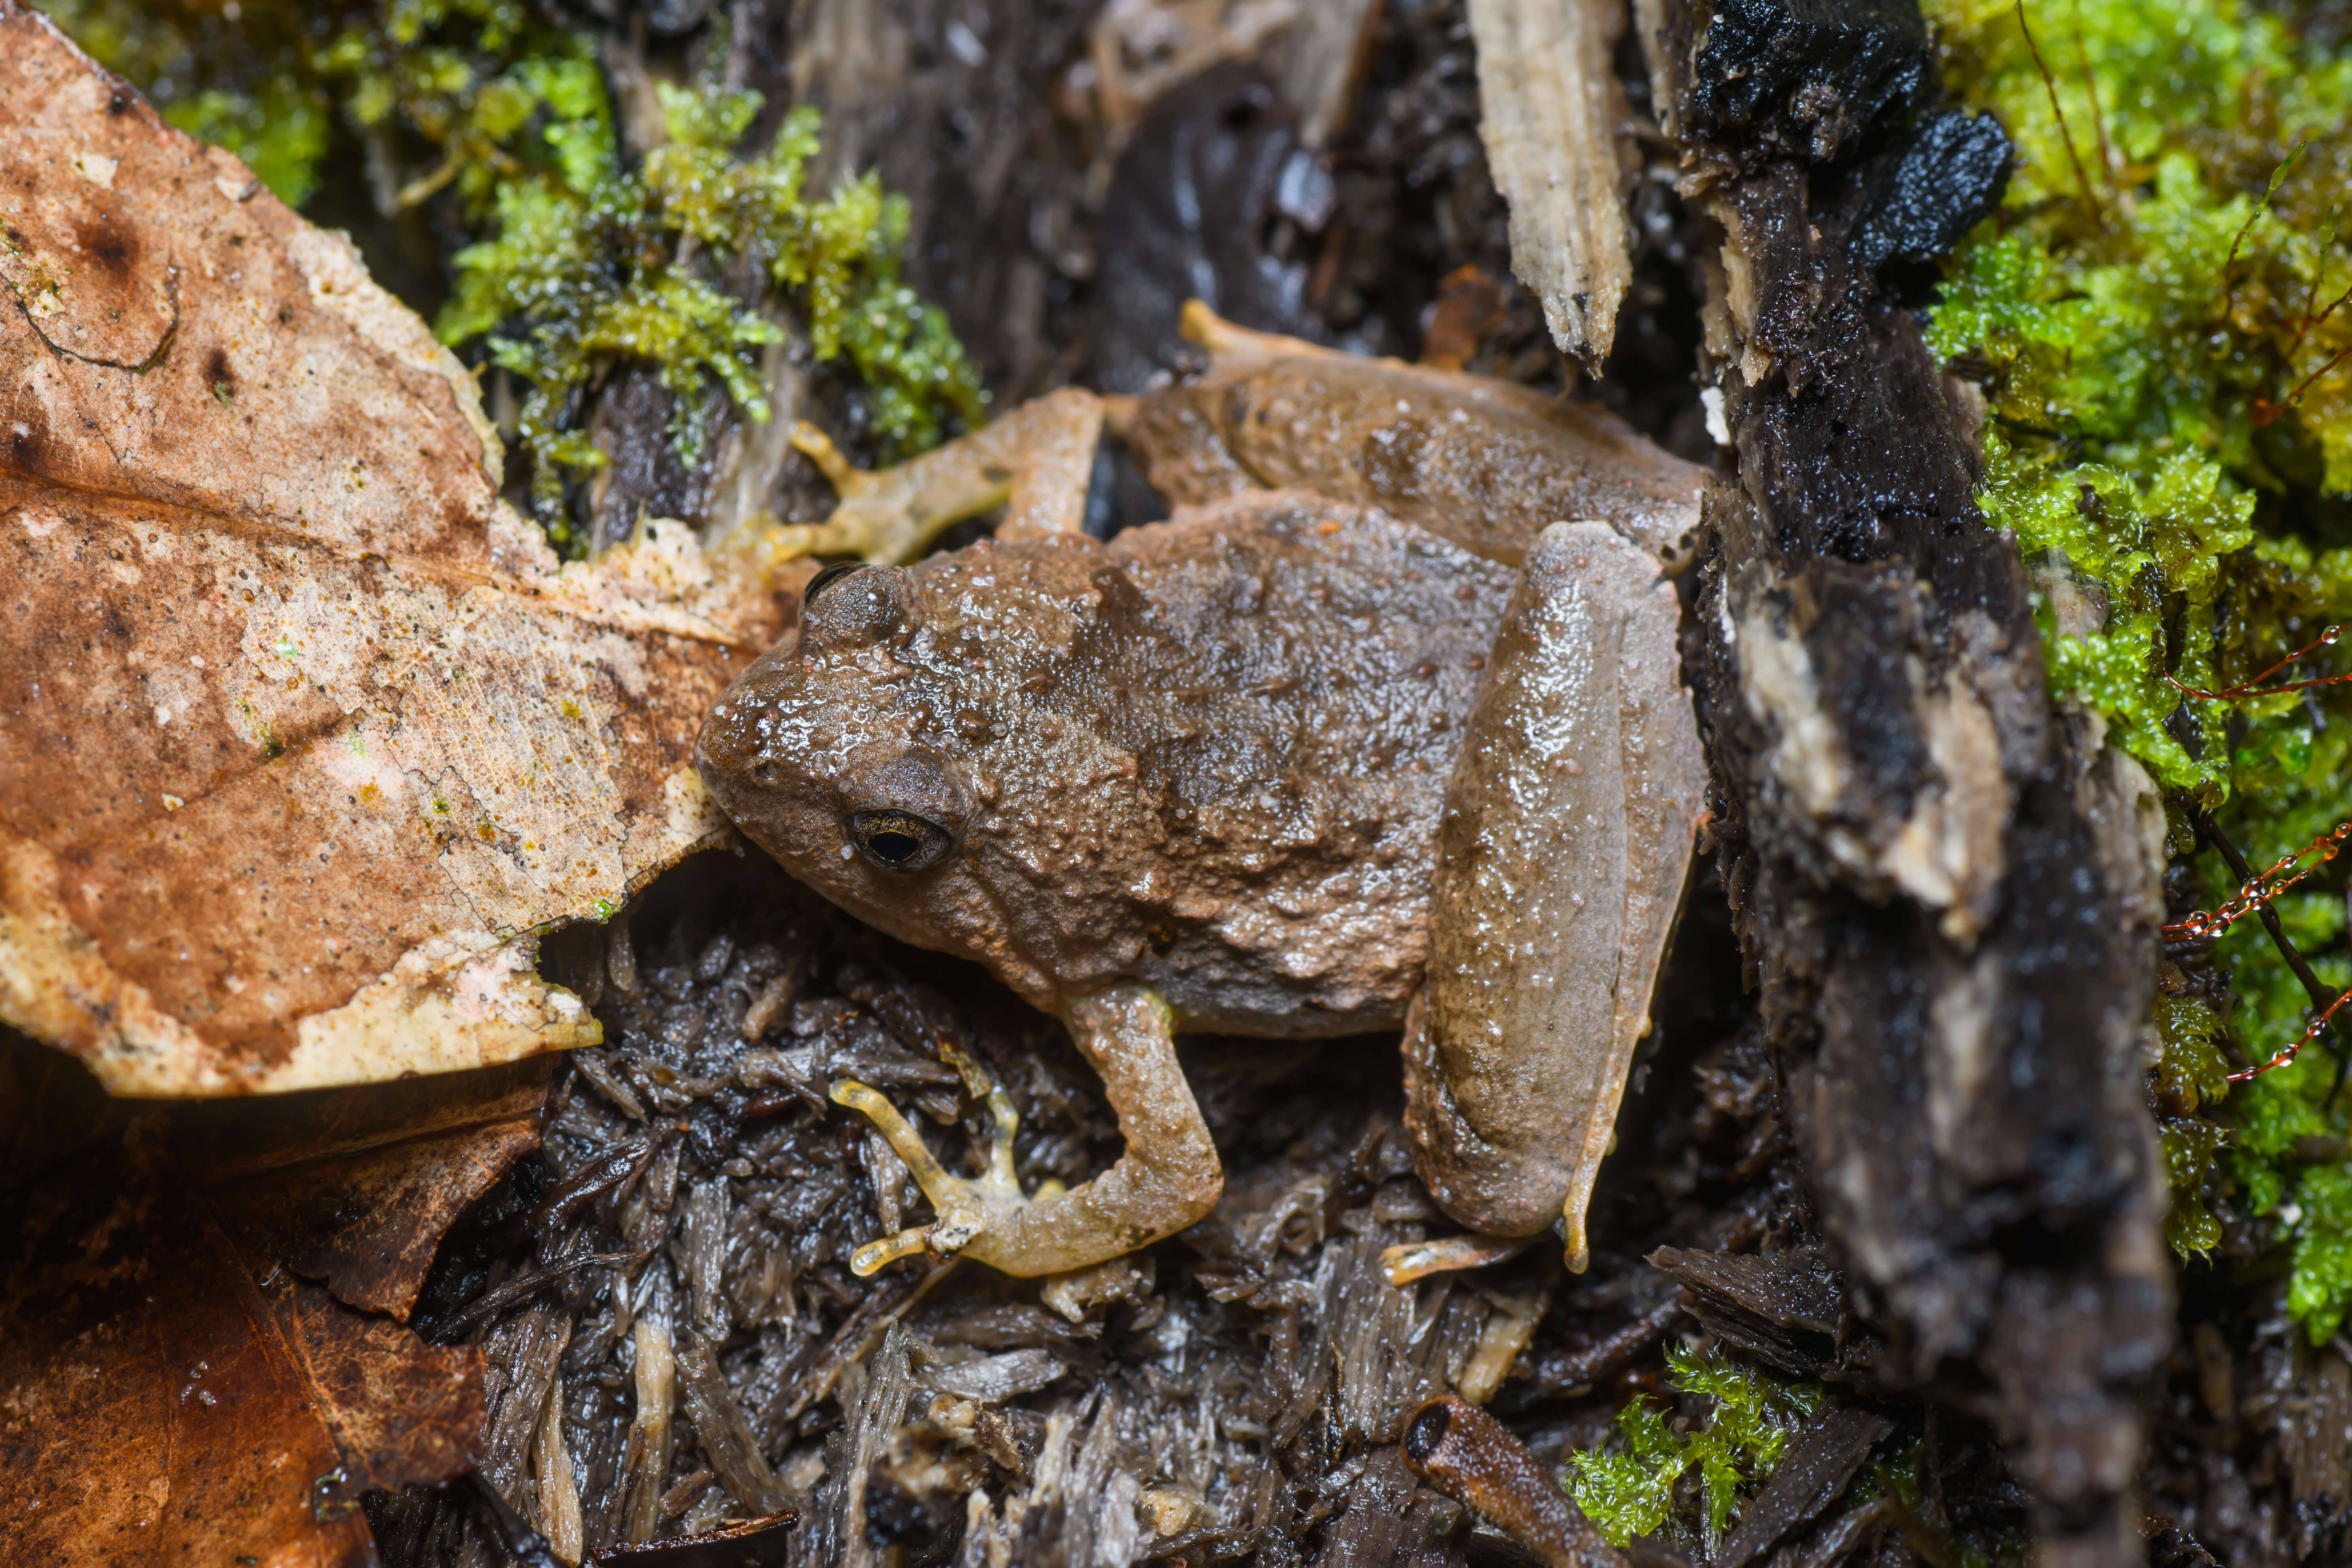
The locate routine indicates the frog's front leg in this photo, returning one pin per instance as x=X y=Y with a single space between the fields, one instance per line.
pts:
x=1034 y=462
x=1568 y=831
x=1168 y=1178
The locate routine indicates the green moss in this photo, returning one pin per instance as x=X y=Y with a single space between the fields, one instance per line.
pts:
x=2321 y=1288
x=2153 y=318
x=2190 y=1070
x=265 y=78
x=591 y=263
x=578 y=261
x=1630 y=1491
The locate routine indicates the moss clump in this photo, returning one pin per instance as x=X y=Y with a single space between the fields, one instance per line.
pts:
x=592 y=262
x=1631 y=1491
x=442 y=82
x=2161 y=320
x=584 y=261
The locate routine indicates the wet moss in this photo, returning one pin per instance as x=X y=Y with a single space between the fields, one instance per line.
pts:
x=590 y=262
x=577 y=261
x=2160 y=318
x=267 y=80
x=1633 y=1491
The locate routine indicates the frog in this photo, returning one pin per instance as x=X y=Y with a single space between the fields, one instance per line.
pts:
x=1382 y=729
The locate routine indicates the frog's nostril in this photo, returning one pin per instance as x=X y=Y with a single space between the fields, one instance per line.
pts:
x=825 y=578
x=764 y=770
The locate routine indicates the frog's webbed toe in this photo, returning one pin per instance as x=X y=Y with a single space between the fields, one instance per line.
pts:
x=1034 y=462
x=965 y=1206
x=1168 y=1178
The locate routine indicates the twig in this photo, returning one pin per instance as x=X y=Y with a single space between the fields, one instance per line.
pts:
x=2339 y=357
x=2253 y=891
x=2229 y=279
x=2318 y=276
x=2090 y=196
x=513 y=1534
x=491 y=1303
x=2091 y=86
x=2249 y=687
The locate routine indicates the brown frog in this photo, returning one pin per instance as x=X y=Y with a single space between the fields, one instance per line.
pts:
x=1364 y=735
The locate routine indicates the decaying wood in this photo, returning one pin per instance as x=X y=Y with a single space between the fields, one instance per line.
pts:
x=1315 y=50
x=1554 y=118
x=307 y=735
x=1471 y=1457
x=1789 y=1311
x=1946 y=892
x=1820 y=1464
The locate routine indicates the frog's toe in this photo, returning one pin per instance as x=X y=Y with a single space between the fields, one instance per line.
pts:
x=967 y=1206
x=1412 y=1260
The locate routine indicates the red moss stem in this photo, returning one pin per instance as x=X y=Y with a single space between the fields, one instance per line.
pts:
x=2050 y=84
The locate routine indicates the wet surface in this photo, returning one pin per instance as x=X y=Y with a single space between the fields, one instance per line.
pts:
x=1236 y=1391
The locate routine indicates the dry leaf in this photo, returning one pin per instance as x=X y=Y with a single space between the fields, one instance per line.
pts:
x=181 y=1366
x=355 y=1188
x=303 y=733
x=166 y=1398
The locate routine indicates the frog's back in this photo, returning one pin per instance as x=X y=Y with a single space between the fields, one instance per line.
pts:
x=1209 y=756
x=1289 y=676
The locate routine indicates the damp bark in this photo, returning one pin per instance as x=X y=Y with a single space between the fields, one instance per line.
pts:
x=1944 y=896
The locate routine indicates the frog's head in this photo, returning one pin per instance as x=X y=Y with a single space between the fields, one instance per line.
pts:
x=819 y=755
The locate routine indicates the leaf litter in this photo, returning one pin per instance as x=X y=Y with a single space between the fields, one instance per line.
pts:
x=669 y=1337
x=309 y=736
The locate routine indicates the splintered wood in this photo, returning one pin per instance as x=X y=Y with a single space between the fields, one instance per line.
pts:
x=306 y=734
x=1552 y=113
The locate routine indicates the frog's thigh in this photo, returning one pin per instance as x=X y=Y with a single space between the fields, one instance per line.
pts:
x=1169 y=1176
x=1567 y=835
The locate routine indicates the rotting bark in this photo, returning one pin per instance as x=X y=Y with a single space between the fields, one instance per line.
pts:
x=1946 y=896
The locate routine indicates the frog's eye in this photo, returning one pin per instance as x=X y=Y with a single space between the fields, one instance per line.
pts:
x=899 y=841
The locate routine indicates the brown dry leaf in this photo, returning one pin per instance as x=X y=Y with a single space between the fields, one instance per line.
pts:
x=303 y=733
x=355 y=1188
x=180 y=1367
x=166 y=1398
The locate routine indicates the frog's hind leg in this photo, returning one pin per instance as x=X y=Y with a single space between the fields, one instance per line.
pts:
x=1168 y=1178
x=1568 y=833
x=1034 y=462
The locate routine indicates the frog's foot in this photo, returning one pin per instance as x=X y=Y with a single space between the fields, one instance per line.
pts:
x=966 y=1205
x=1168 y=1178
x=1412 y=1260
x=1034 y=462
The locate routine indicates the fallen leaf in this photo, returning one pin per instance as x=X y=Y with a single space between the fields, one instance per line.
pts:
x=305 y=735
x=166 y=1398
x=355 y=1188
